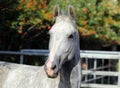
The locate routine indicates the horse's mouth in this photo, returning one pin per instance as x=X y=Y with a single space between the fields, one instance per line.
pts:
x=52 y=76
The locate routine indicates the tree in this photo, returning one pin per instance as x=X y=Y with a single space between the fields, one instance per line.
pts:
x=26 y=22
x=97 y=20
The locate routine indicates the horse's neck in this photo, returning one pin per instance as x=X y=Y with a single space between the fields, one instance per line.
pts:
x=69 y=74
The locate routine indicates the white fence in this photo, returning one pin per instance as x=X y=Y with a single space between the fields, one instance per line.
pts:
x=99 y=70
x=101 y=75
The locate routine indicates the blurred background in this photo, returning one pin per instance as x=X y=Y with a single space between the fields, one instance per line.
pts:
x=24 y=24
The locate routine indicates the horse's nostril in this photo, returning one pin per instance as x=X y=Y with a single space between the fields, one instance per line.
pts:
x=53 y=67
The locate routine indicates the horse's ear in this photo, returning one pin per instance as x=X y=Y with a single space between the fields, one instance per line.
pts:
x=56 y=11
x=71 y=11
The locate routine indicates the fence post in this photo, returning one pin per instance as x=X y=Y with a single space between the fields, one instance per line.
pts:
x=21 y=58
x=86 y=77
x=95 y=67
x=119 y=70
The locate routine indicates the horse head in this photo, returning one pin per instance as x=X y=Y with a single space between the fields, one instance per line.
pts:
x=63 y=41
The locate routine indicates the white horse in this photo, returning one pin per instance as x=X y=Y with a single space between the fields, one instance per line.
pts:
x=63 y=67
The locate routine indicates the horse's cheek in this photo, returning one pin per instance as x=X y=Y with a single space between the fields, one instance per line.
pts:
x=71 y=54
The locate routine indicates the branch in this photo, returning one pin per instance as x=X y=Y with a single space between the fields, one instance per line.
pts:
x=29 y=29
x=36 y=35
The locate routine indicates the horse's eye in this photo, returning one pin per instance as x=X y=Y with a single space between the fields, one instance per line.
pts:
x=70 y=36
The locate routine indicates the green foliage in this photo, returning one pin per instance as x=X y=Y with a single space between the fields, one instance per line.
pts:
x=24 y=24
x=31 y=19
x=31 y=12
x=99 y=19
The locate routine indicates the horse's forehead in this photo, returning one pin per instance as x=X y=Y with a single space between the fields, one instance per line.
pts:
x=63 y=27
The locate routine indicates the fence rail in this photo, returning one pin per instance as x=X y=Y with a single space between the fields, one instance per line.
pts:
x=94 y=74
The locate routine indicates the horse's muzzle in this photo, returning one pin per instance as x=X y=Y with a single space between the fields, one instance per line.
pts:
x=51 y=73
